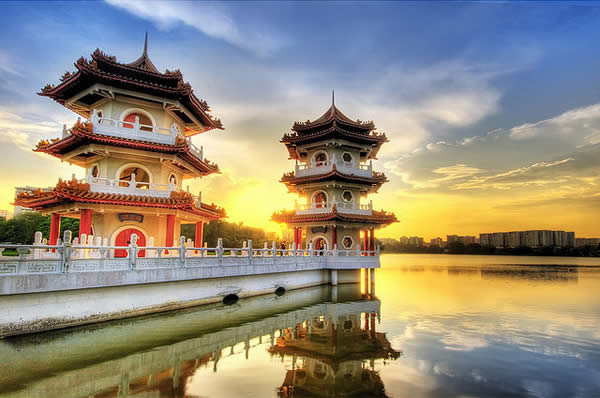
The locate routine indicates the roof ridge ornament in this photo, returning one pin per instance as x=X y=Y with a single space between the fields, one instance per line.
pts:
x=332 y=102
x=143 y=62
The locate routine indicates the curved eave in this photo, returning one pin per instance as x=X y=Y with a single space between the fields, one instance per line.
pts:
x=63 y=195
x=378 y=218
x=81 y=136
x=334 y=175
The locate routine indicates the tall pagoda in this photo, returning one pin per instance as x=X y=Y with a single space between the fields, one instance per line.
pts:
x=135 y=147
x=333 y=174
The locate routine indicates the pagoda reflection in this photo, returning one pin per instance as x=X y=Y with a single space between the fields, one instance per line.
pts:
x=334 y=356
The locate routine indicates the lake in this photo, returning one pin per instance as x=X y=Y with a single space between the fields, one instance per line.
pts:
x=438 y=326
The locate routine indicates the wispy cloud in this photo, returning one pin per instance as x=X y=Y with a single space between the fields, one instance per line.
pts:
x=212 y=19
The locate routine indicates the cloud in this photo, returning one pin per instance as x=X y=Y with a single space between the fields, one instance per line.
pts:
x=212 y=19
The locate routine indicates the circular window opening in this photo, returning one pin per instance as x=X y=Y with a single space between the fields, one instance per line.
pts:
x=143 y=120
x=347 y=157
x=95 y=171
x=347 y=195
x=142 y=179
x=348 y=242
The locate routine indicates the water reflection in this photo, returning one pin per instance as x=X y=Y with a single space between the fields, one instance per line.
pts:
x=158 y=356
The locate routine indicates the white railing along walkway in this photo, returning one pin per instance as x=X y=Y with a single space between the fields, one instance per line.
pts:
x=67 y=256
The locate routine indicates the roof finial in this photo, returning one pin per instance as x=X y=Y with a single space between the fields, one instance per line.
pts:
x=146 y=45
x=333 y=97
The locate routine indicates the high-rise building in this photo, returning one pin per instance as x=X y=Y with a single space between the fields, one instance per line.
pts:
x=587 y=242
x=533 y=238
x=437 y=242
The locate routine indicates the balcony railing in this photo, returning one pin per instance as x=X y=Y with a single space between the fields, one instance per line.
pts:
x=134 y=131
x=129 y=187
x=341 y=207
x=317 y=168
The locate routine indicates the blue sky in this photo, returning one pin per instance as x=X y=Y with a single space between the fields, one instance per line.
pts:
x=435 y=76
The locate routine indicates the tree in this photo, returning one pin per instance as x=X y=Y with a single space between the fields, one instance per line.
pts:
x=233 y=234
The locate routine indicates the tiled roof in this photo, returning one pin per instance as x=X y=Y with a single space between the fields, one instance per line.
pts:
x=377 y=217
x=140 y=75
x=76 y=192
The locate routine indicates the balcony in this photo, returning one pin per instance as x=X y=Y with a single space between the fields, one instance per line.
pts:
x=349 y=168
x=141 y=132
x=132 y=187
x=341 y=207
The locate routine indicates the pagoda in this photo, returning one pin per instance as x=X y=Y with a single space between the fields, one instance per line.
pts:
x=334 y=357
x=135 y=147
x=334 y=174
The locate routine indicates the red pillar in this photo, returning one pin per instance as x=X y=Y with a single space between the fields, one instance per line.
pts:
x=300 y=238
x=295 y=237
x=170 y=230
x=54 y=228
x=333 y=237
x=372 y=244
x=366 y=240
x=199 y=230
x=85 y=223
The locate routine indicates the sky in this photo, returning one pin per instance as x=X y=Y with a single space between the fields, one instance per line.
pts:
x=492 y=109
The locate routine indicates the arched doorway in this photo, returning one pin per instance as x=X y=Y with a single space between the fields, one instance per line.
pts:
x=124 y=239
x=320 y=243
x=142 y=178
x=320 y=200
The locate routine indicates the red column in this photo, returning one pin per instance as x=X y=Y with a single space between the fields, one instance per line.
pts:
x=170 y=230
x=366 y=239
x=199 y=230
x=295 y=237
x=300 y=238
x=85 y=223
x=54 y=228
x=333 y=237
x=372 y=244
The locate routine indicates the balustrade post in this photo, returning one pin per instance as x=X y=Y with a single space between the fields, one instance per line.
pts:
x=65 y=252
x=250 y=251
x=182 y=250
x=335 y=250
x=136 y=125
x=274 y=249
x=133 y=251
x=132 y=183
x=220 y=250
x=310 y=249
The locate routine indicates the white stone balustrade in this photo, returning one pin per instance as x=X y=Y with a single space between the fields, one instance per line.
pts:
x=135 y=130
x=129 y=187
x=341 y=207
x=349 y=168
x=94 y=254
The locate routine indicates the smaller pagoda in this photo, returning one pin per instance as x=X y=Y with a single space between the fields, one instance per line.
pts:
x=135 y=149
x=334 y=357
x=333 y=175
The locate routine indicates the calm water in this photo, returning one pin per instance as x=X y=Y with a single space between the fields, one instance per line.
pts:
x=440 y=326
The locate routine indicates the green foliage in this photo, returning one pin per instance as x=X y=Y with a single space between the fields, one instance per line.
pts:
x=233 y=234
x=22 y=228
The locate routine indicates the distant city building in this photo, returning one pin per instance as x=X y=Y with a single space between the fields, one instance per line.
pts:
x=437 y=242
x=465 y=240
x=4 y=213
x=404 y=240
x=416 y=241
x=587 y=242
x=19 y=209
x=533 y=238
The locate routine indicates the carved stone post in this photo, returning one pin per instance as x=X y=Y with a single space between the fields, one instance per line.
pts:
x=182 y=250
x=220 y=250
x=133 y=251
x=250 y=251
x=65 y=252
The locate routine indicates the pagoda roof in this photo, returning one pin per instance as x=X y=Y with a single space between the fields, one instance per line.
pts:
x=140 y=75
x=333 y=114
x=75 y=192
x=375 y=182
x=83 y=133
x=333 y=124
x=377 y=217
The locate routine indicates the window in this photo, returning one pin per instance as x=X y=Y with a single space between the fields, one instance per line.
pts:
x=347 y=195
x=172 y=179
x=348 y=242
x=320 y=159
x=346 y=157
x=143 y=120
x=95 y=171
x=320 y=199
x=348 y=324
x=142 y=178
